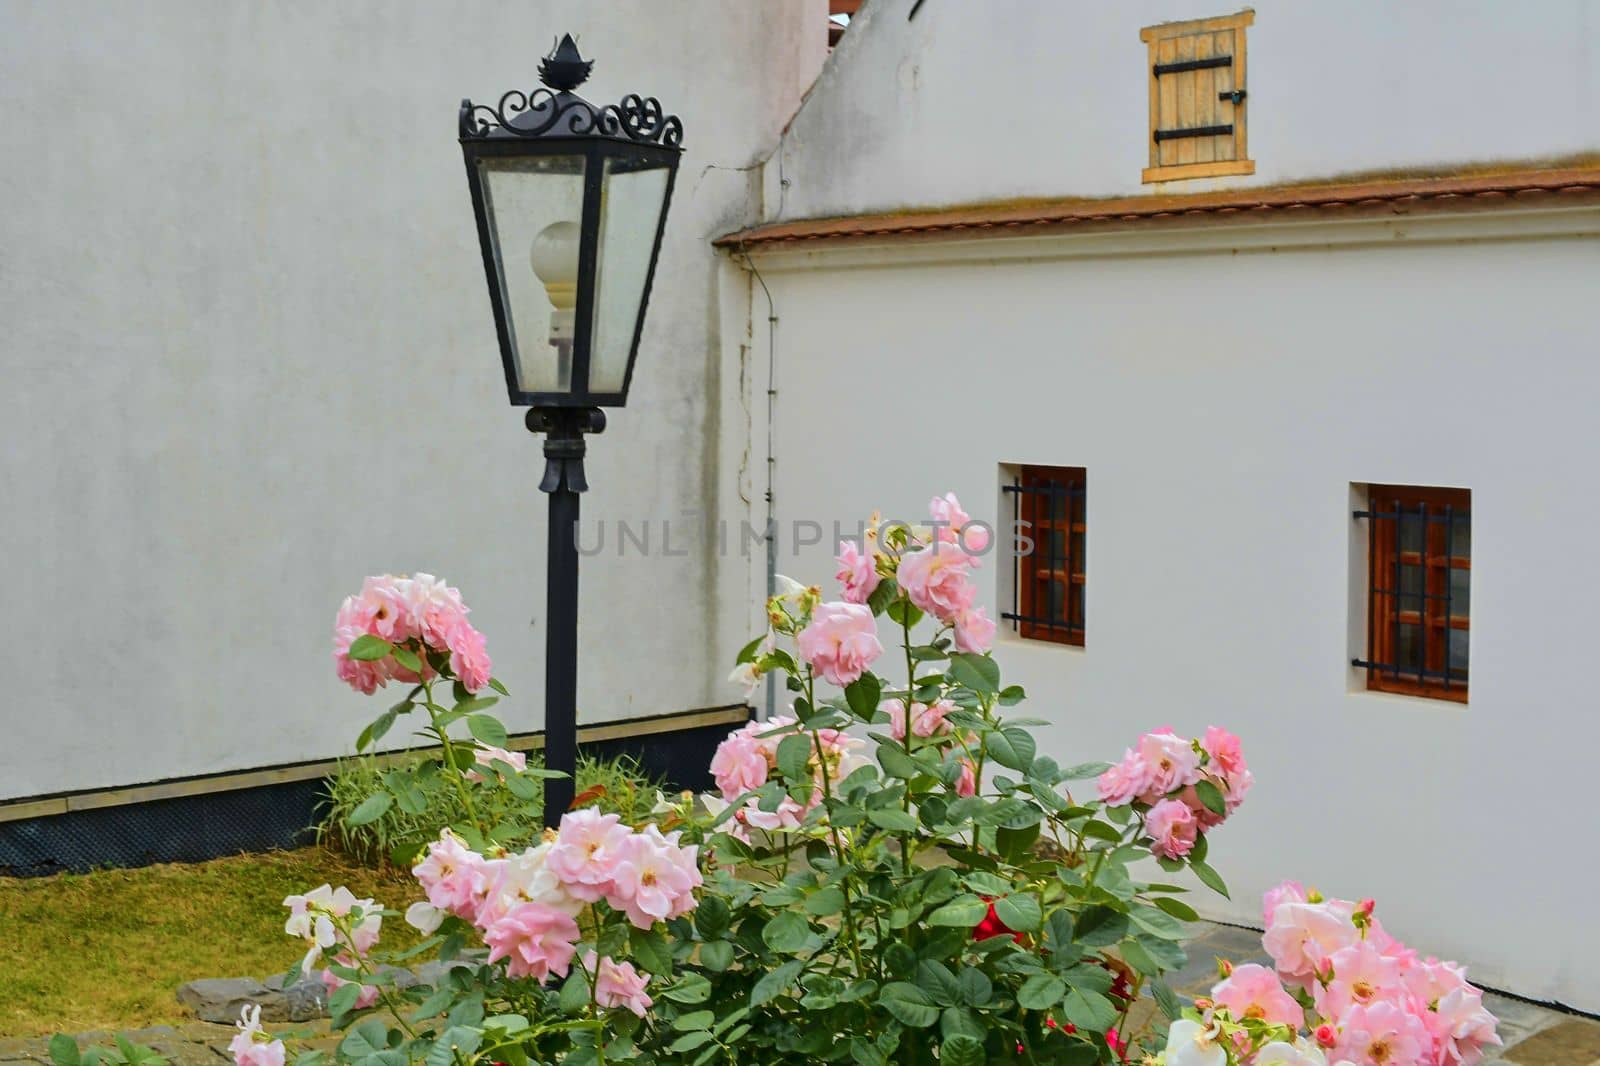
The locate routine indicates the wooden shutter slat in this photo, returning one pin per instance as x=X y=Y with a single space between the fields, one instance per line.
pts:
x=1167 y=151
x=1205 y=102
x=1187 y=117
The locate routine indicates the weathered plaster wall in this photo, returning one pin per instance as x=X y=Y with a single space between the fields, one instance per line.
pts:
x=248 y=358
x=1014 y=98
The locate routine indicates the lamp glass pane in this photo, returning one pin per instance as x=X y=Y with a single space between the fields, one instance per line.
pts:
x=534 y=209
x=633 y=189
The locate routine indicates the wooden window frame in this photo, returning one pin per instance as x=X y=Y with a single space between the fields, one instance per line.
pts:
x=1178 y=41
x=1039 y=567
x=1437 y=561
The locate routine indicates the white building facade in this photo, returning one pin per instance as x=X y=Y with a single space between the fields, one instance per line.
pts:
x=963 y=273
x=249 y=359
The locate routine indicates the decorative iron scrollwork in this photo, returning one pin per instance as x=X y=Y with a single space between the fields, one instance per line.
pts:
x=543 y=113
x=555 y=111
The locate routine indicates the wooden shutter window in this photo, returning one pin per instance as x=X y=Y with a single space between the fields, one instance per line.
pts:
x=1198 y=98
x=1049 y=503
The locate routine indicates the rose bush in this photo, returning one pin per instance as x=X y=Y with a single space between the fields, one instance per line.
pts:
x=888 y=872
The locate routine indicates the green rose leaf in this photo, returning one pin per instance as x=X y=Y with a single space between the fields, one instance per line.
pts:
x=368 y=648
x=910 y=1005
x=862 y=695
x=1041 y=991
x=1089 y=1010
x=794 y=757
x=1177 y=908
x=694 y=1020
x=690 y=988
x=788 y=932
x=368 y=1038
x=1020 y=912
x=893 y=819
x=1012 y=747
x=896 y=763
x=716 y=956
x=1156 y=922
x=408 y=659
x=487 y=730
x=690 y=1041
x=775 y=983
x=1211 y=796
x=371 y=809
x=650 y=949
x=826 y=901
x=978 y=672
x=64 y=1050
x=1210 y=878
x=963 y=912
x=962 y=1050
x=1166 y=1000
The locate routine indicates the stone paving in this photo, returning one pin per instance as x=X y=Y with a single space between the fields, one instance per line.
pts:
x=1533 y=1035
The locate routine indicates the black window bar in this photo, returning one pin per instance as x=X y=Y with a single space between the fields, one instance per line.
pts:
x=1450 y=678
x=1047 y=493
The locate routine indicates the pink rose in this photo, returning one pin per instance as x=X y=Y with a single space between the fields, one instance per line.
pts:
x=453 y=876
x=974 y=631
x=1172 y=829
x=1253 y=991
x=469 y=656
x=1361 y=976
x=1288 y=892
x=618 y=984
x=935 y=579
x=926 y=721
x=654 y=878
x=956 y=525
x=488 y=754
x=967 y=783
x=536 y=941
x=739 y=765
x=1462 y=1026
x=1383 y=1034
x=1124 y=781
x=1301 y=937
x=252 y=1047
x=1172 y=762
x=587 y=848
x=1227 y=755
x=857 y=573
x=332 y=982
x=841 y=641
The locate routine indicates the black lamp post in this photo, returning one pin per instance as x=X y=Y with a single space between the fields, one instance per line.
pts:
x=571 y=200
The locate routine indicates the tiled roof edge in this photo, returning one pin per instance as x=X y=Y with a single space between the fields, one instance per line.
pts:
x=1516 y=188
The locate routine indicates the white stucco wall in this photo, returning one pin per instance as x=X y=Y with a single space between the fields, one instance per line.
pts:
x=1224 y=388
x=248 y=358
x=988 y=101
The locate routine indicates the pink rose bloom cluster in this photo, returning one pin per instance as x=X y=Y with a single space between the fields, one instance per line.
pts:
x=252 y=1046
x=333 y=920
x=934 y=570
x=526 y=905
x=744 y=761
x=1161 y=775
x=1377 y=1003
x=420 y=611
x=937 y=578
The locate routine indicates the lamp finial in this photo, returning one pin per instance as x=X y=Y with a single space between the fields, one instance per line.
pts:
x=564 y=69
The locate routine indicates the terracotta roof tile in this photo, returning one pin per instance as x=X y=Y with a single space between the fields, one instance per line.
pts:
x=1396 y=196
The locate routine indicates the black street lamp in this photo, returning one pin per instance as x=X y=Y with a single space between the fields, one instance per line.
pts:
x=571 y=201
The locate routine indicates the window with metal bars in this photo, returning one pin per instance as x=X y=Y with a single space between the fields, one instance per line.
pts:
x=1419 y=566
x=1047 y=511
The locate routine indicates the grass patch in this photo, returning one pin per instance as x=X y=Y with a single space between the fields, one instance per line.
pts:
x=108 y=950
x=615 y=785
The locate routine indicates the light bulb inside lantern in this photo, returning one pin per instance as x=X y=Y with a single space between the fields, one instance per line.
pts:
x=554 y=258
